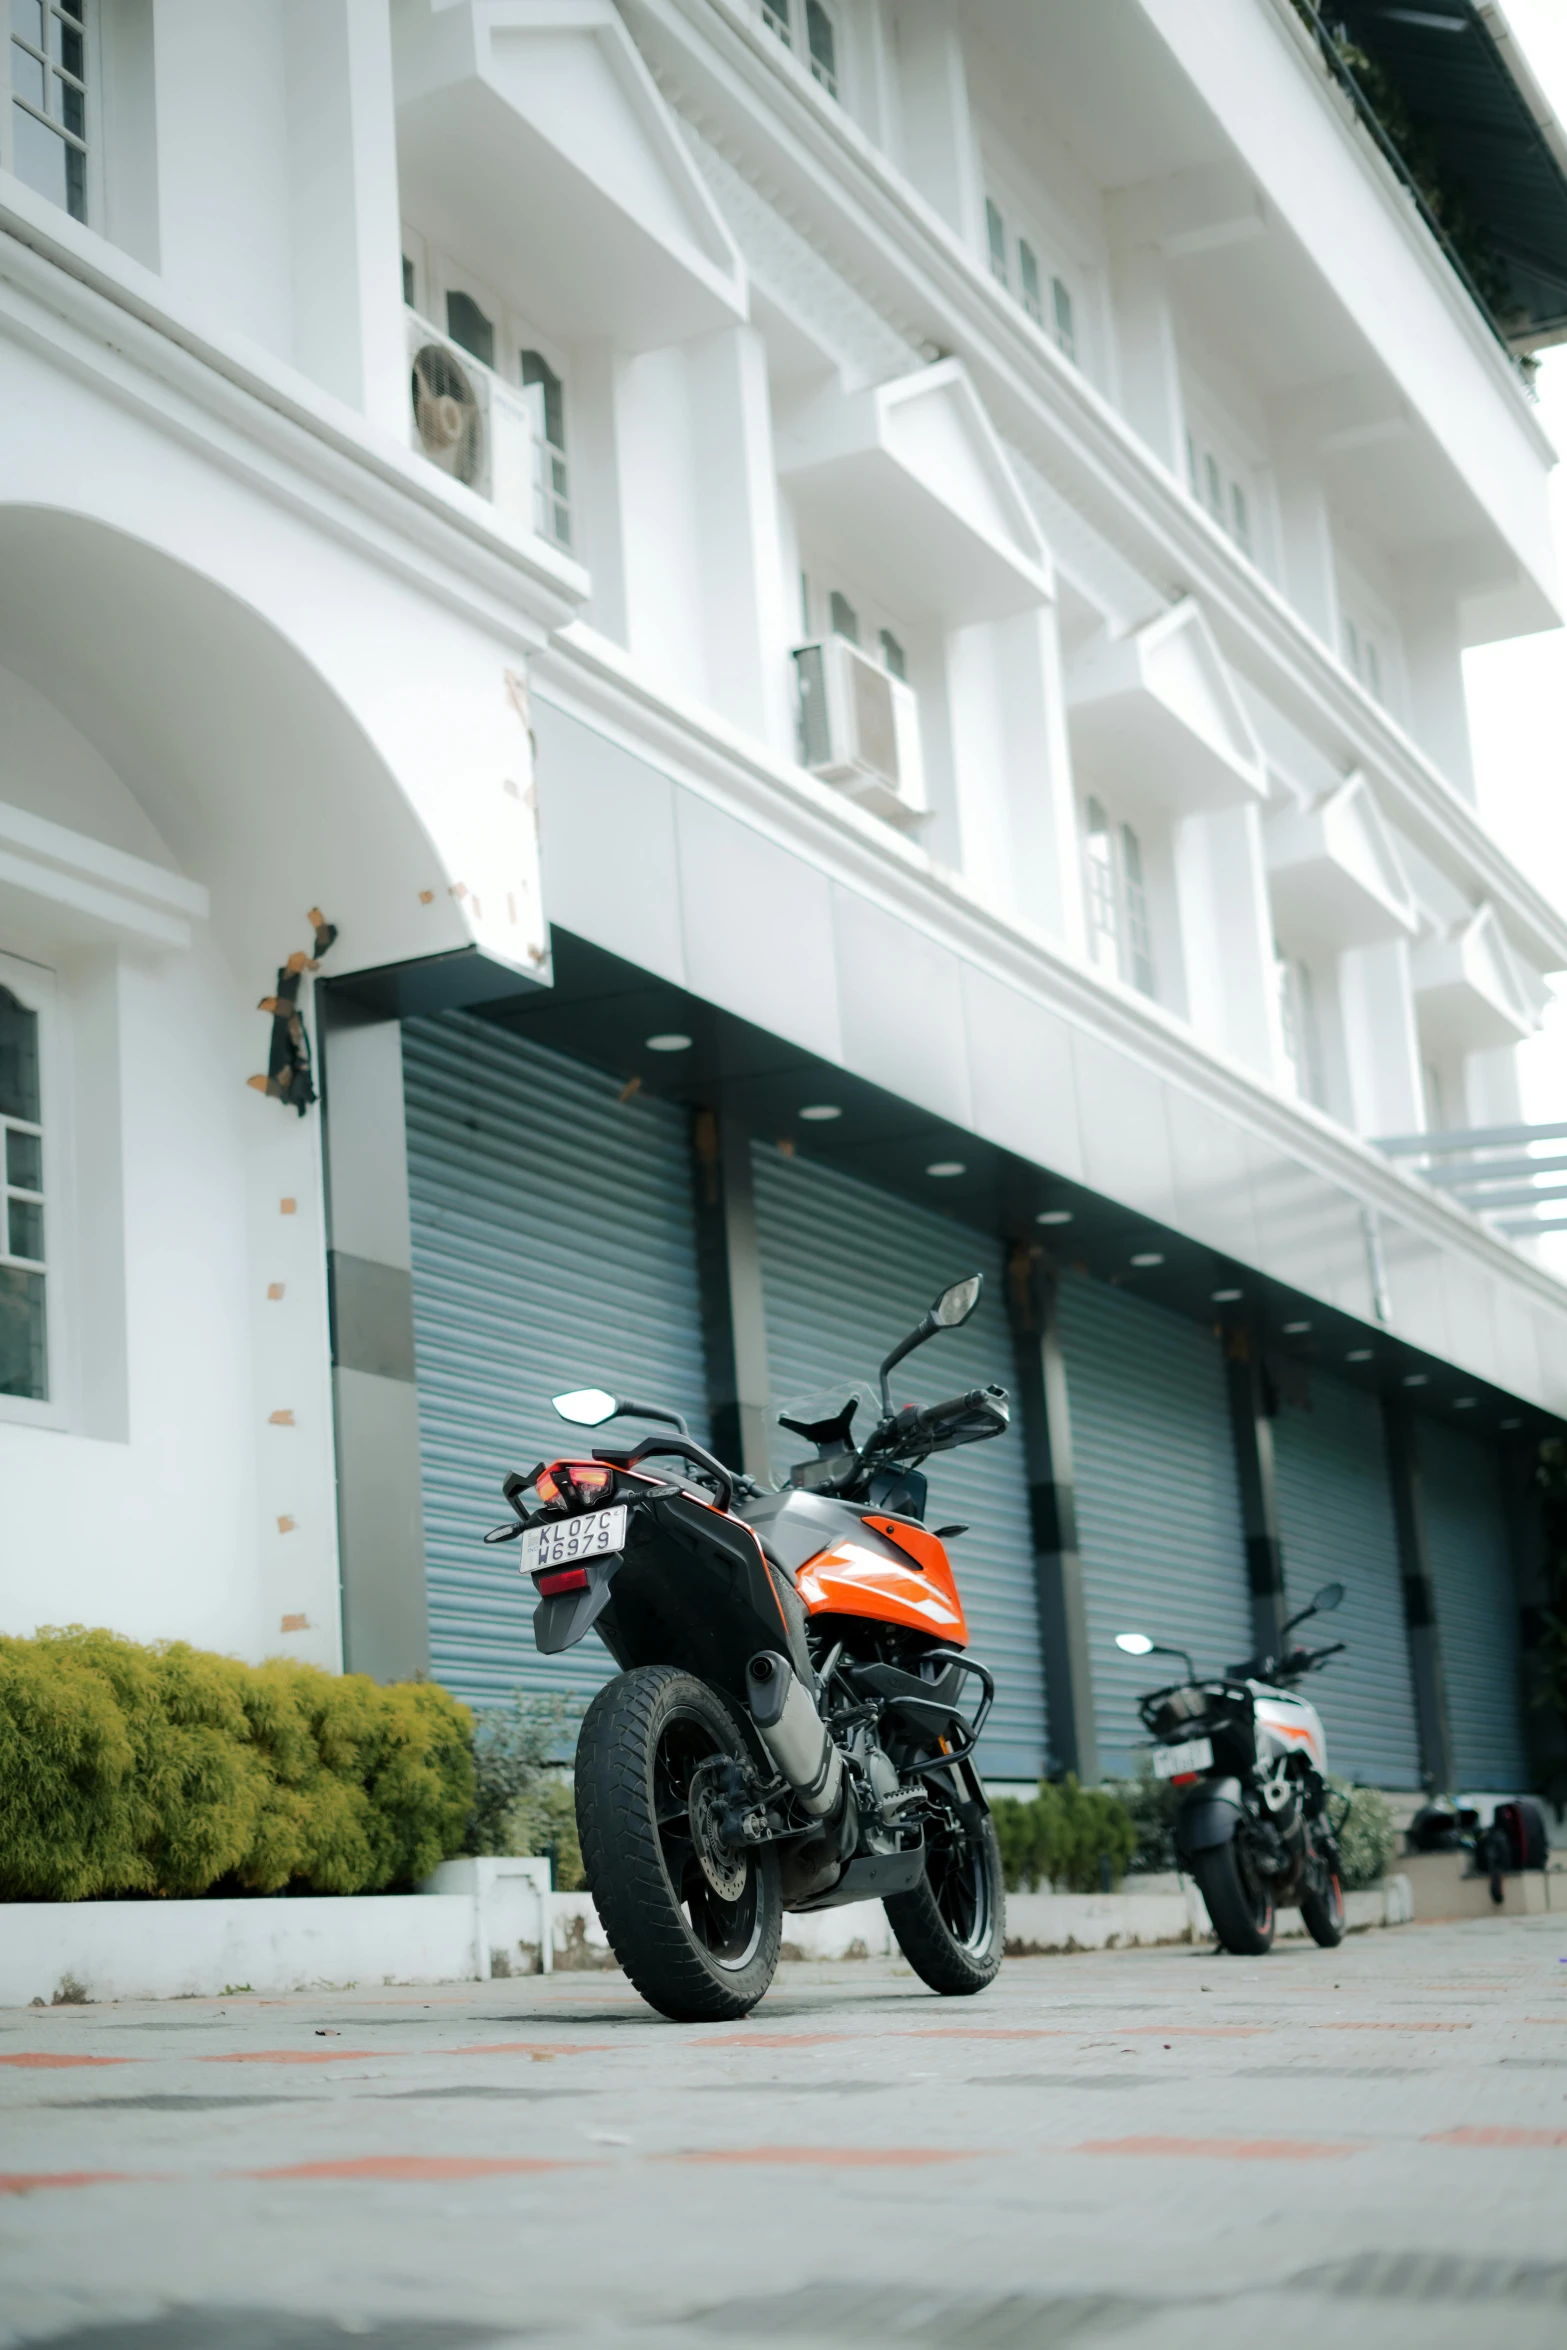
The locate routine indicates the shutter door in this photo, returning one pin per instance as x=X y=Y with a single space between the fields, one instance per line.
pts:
x=554 y=1246
x=1476 y=1608
x=846 y=1269
x=1158 y=1501
x=1336 y=1522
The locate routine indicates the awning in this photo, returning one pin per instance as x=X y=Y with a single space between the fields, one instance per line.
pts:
x=1334 y=874
x=1494 y=144
x=1468 y=993
x=1155 y=718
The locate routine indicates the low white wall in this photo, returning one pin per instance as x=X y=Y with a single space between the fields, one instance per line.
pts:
x=475 y=1920
x=481 y=1917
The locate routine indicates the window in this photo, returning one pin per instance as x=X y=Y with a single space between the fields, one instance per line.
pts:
x=547 y=398
x=1120 y=937
x=1363 y=657
x=776 y=19
x=1213 y=484
x=1066 y=326
x=1028 y=277
x=996 y=236
x=24 y=1343
x=467 y=325
x=1298 y=1024
x=46 y=120
x=822 y=44
x=892 y=655
x=842 y=618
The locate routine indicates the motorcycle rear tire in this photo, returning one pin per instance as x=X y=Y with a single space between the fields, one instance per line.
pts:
x=1322 y=1915
x=1242 y=1919
x=694 y=1955
x=953 y=1931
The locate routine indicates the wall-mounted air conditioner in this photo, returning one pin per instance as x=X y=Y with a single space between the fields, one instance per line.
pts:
x=859 y=727
x=469 y=423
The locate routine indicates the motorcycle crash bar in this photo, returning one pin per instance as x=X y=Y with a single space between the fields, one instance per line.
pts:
x=793 y=1732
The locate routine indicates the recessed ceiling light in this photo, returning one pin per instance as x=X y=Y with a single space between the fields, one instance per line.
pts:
x=1148 y=1257
x=1296 y=1329
x=1465 y=1403
x=1358 y=1354
x=820 y=1112
x=1509 y=1425
x=673 y=1042
x=1415 y=1379
x=1226 y=1297
x=1054 y=1216
x=942 y=1168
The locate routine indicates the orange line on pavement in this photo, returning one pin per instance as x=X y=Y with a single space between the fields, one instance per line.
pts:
x=413 y=2167
x=1224 y=2149
x=772 y=2039
x=1489 y=2137
x=539 y=2049
x=34 y=2056
x=27 y=2182
x=832 y=2157
x=297 y=2055
x=1382 y=2027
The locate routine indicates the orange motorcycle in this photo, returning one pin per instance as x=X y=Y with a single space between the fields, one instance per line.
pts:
x=794 y=1721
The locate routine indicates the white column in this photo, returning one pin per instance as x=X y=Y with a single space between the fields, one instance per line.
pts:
x=1306 y=529
x=746 y=614
x=1434 y=665
x=1227 y=936
x=1147 y=361
x=938 y=149
x=1381 y=1040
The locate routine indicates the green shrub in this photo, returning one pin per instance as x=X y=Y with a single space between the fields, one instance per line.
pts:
x=1153 y=1804
x=169 y=1770
x=521 y=1804
x=1060 y=1837
x=1367 y=1840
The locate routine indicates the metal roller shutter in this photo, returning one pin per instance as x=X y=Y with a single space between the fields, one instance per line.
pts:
x=554 y=1246
x=1336 y=1521
x=846 y=1269
x=1158 y=1501
x=1476 y=1608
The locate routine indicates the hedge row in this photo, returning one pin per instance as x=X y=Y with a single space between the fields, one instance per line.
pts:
x=1061 y=1836
x=169 y=1770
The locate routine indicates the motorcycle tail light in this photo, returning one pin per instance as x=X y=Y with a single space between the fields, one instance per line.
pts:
x=556 y=1580
x=591 y=1479
x=545 y=1486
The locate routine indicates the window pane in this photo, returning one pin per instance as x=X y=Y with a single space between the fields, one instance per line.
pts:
x=26 y=1229
x=467 y=324
x=892 y=656
x=408 y=281
x=996 y=233
x=27 y=77
x=537 y=370
x=1210 y=466
x=39 y=156
x=1066 y=323
x=74 y=8
x=24 y=1362
x=1240 y=515
x=1373 y=669
x=822 y=43
x=776 y=20
x=24 y=1161
x=1191 y=466
x=27 y=21
x=18 y=1059
x=70 y=107
x=73 y=54
x=843 y=618
x=1028 y=271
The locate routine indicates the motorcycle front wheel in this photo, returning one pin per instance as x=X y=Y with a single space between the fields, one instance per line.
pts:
x=1240 y=1912
x=695 y=1924
x=952 y=1927
x=1322 y=1909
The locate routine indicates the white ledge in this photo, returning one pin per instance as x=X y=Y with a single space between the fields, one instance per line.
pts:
x=93 y=888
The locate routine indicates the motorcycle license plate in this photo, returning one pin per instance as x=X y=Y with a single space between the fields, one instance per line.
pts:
x=1174 y=1762
x=564 y=1542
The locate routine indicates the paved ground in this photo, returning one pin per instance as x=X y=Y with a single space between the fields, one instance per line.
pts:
x=1150 y=2147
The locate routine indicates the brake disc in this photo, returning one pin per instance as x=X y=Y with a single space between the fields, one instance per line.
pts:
x=724 y=1868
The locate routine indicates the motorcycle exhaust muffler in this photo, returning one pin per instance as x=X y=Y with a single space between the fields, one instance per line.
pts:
x=793 y=1732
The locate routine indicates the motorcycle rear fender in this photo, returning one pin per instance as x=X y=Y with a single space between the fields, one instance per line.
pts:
x=571 y=1615
x=1209 y=1815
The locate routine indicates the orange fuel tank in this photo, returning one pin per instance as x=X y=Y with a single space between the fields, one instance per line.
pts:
x=852 y=1578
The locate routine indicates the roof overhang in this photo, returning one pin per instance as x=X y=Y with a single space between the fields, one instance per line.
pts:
x=1458 y=69
x=533 y=142
x=908 y=484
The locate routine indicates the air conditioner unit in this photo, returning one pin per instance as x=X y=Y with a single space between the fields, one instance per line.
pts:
x=859 y=727
x=469 y=423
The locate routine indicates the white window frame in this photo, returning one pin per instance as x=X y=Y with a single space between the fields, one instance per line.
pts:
x=788 y=23
x=1115 y=896
x=36 y=986
x=1300 y=1028
x=92 y=93
x=1055 y=299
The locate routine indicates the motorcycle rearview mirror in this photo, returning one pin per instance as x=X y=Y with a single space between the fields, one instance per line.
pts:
x=1139 y=1644
x=951 y=1308
x=587 y=1407
x=1328 y=1598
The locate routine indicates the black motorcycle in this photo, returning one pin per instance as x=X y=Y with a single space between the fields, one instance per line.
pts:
x=1254 y=1826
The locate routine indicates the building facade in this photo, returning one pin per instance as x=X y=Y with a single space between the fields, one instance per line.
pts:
x=796 y=646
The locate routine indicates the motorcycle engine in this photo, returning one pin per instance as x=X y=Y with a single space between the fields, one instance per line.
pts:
x=878 y=1779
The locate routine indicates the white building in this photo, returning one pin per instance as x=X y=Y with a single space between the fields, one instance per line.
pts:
x=978 y=505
